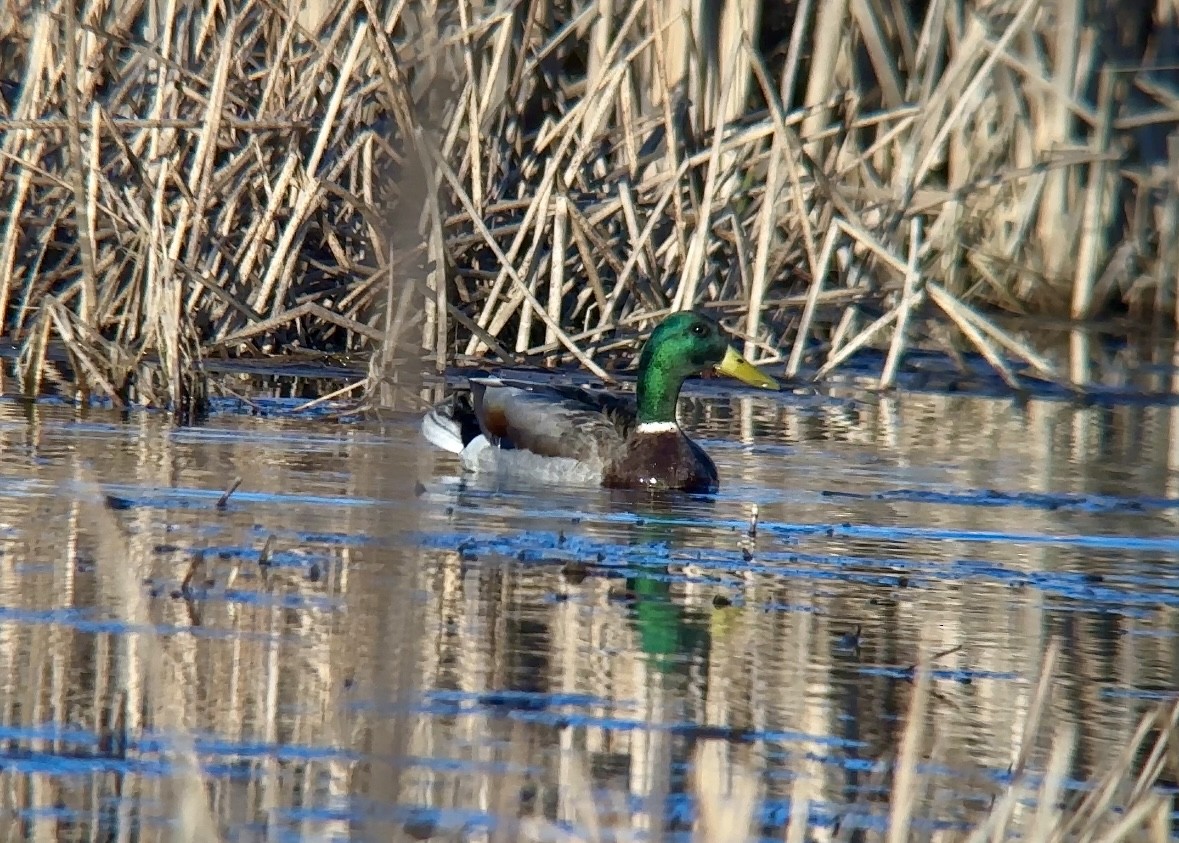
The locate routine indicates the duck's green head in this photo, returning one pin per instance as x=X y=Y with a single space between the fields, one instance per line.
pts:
x=683 y=345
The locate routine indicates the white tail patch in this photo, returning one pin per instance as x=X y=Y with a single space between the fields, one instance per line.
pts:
x=471 y=455
x=657 y=427
x=442 y=432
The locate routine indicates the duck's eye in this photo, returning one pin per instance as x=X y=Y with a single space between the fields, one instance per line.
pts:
x=699 y=330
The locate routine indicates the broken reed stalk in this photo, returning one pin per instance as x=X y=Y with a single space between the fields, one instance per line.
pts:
x=229 y=184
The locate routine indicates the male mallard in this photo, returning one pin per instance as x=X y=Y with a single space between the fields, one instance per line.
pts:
x=574 y=434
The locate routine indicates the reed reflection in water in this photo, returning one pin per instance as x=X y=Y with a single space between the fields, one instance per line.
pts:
x=571 y=649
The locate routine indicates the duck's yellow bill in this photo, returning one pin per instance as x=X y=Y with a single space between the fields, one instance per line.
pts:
x=736 y=366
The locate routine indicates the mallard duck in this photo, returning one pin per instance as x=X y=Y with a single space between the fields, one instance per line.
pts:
x=576 y=434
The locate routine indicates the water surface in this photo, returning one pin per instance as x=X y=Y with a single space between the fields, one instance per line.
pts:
x=569 y=649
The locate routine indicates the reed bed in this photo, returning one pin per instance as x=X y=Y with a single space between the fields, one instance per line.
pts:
x=541 y=181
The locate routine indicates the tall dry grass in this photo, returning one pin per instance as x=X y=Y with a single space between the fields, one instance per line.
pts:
x=184 y=179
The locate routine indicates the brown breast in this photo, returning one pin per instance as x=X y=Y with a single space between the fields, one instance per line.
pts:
x=665 y=460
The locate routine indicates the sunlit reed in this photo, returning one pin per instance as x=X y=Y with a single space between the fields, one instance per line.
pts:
x=224 y=185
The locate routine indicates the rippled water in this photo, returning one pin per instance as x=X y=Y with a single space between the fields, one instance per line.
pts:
x=568 y=650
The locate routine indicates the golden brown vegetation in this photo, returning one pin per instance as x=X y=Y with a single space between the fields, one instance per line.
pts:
x=542 y=179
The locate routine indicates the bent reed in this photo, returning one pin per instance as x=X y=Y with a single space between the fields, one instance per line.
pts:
x=541 y=182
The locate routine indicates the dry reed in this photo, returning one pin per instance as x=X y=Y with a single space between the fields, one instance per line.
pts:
x=190 y=179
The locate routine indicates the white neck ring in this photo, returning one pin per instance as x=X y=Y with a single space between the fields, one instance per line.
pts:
x=657 y=427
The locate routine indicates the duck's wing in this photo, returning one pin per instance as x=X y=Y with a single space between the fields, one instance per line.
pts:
x=552 y=420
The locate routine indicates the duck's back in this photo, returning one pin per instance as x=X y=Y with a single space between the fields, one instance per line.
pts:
x=550 y=421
